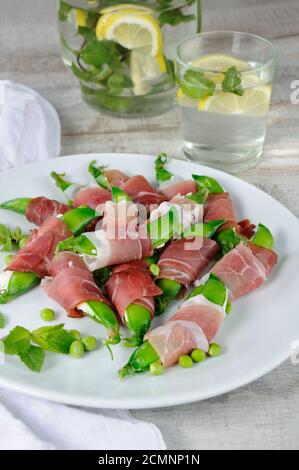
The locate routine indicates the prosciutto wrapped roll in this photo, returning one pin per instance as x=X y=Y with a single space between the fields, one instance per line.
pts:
x=139 y=189
x=37 y=209
x=72 y=286
x=245 y=268
x=41 y=208
x=189 y=212
x=184 y=260
x=194 y=326
x=106 y=177
x=132 y=291
x=37 y=254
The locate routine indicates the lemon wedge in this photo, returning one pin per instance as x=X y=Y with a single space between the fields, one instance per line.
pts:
x=134 y=30
x=255 y=101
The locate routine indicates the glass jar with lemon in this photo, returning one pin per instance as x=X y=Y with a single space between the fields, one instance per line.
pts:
x=122 y=52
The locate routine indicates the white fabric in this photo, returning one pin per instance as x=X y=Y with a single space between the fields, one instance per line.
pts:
x=31 y=424
x=29 y=126
x=30 y=131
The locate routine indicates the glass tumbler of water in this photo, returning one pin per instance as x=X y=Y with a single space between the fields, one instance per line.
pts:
x=225 y=84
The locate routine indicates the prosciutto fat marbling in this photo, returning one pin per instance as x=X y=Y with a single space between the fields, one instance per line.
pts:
x=174 y=187
x=72 y=284
x=91 y=197
x=132 y=283
x=193 y=326
x=245 y=268
x=38 y=252
x=40 y=208
x=184 y=260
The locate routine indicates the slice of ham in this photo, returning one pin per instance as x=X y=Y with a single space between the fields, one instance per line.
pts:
x=110 y=251
x=116 y=177
x=193 y=326
x=40 y=208
x=175 y=186
x=72 y=284
x=184 y=260
x=139 y=189
x=267 y=257
x=132 y=283
x=219 y=206
x=91 y=197
x=38 y=252
x=244 y=268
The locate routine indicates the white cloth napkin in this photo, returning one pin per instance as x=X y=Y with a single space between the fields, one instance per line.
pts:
x=29 y=126
x=30 y=131
x=31 y=424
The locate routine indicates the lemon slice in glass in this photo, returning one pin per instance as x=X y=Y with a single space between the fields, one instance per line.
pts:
x=143 y=69
x=77 y=17
x=255 y=101
x=134 y=30
x=126 y=7
x=220 y=63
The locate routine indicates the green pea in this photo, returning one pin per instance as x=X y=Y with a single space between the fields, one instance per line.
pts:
x=214 y=350
x=154 y=269
x=156 y=368
x=185 y=361
x=2 y=320
x=47 y=314
x=198 y=355
x=8 y=259
x=77 y=349
x=75 y=334
x=90 y=343
x=23 y=241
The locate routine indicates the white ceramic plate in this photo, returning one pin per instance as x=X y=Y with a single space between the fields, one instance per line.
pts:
x=256 y=337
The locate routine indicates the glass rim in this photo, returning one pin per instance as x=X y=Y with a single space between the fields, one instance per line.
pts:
x=231 y=32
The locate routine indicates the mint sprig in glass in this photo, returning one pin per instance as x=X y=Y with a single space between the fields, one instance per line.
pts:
x=119 y=53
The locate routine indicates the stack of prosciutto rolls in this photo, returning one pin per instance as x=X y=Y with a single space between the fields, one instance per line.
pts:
x=121 y=250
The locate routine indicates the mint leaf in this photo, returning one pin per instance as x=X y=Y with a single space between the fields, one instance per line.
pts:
x=53 y=338
x=2 y=320
x=33 y=358
x=8 y=237
x=195 y=85
x=18 y=341
x=232 y=82
x=174 y=17
x=99 y=53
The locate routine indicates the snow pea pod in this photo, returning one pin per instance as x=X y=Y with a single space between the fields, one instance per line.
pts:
x=78 y=219
x=138 y=321
x=103 y=314
x=80 y=245
x=98 y=174
x=263 y=237
x=140 y=360
x=163 y=228
x=18 y=205
x=208 y=184
x=19 y=283
x=68 y=188
x=119 y=195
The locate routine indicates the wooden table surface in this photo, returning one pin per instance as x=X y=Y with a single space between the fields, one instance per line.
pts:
x=264 y=414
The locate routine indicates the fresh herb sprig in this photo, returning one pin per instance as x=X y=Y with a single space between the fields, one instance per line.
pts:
x=232 y=82
x=9 y=237
x=48 y=338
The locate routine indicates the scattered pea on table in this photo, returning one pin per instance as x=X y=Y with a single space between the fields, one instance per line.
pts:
x=198 y=355
x=75 y=334
x=214 y=350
